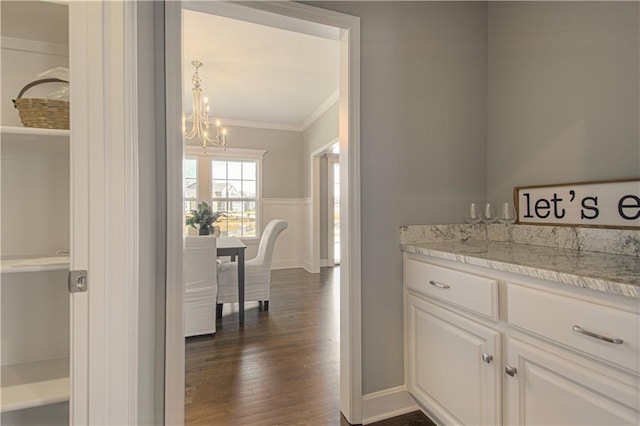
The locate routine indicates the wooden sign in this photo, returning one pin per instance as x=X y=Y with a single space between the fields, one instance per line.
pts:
x=604 y=204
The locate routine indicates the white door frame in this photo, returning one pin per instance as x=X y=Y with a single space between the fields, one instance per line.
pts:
x=332 y=159
x=104 y=199
x=174 y=378
x=316 y=204
x=349 y=135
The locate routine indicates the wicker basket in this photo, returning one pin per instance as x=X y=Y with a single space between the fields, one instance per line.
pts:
x=40 y=112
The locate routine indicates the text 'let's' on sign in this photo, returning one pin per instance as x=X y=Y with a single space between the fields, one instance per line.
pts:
x=605 y=204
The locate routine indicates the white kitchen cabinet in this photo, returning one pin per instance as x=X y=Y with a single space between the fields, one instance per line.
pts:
x=582 y=367
x=547 y=387
x=453 y=364
x=544 y=368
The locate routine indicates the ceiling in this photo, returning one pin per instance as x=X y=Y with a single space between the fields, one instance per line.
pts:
x=257 y=74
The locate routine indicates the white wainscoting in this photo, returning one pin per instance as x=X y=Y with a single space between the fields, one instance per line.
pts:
x=290 y=249
x=293 y=247
x=306 y=234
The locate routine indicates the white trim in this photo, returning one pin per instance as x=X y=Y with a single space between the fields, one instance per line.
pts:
x=275 y=20
x=121 y=285
x=62 y=2
x=132 y=202
x=174 y=386
x=104 y=326
x=283 y=201
x=234 y=122
x=350 y=217
x=324 y=107
x=332 y=159
x=307 y=267
x=315 y=204
x=315 y=213
x=386 y=404
x=34 y=46
x=229 y=153
x=285 y=264
x=300 y=127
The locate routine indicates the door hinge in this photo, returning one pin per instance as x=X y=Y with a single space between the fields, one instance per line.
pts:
x=78 y=281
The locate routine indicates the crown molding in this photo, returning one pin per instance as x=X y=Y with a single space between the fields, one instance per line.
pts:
x=253 y=13
x=253 y=154
x=324 y=107
x=259 y=124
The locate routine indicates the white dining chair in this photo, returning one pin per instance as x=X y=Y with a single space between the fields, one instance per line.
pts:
x=257 y=276
x=200 y=285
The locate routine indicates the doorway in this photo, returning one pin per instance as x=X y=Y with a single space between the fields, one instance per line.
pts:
x=301 y=18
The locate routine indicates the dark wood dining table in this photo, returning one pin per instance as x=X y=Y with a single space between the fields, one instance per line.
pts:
x=234 y=247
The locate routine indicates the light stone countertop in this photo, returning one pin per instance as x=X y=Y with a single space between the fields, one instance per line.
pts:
x=606 y=270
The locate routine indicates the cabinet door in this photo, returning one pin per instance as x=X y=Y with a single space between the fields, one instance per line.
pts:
x=552 y=389
x=446 y=372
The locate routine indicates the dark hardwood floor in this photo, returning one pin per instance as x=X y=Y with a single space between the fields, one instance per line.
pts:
x=282 y=367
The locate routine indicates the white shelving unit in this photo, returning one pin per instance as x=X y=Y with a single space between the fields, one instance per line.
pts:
x=32 y=285
x=34 y=244
x=31 y=384
x=34 y=384
x=29 y=139
x=32 y=134
x=43 y=263
x=38 y=383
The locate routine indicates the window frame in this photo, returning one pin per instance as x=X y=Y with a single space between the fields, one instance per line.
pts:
x=184 y=178
x=230 y=154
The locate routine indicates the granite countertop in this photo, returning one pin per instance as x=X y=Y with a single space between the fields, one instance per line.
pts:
x=562 y=255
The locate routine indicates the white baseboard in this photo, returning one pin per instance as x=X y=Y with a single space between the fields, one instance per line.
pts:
x=387 y=403
x=286 y=264
x=307 y=267
x=325 y=263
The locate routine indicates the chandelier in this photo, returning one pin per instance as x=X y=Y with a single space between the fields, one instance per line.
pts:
x=200 y=117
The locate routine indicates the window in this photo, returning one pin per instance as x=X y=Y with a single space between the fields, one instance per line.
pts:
x=233 y=191
x=190 y=184
x=229 y=181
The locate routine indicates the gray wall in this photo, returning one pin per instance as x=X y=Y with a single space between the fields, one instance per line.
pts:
x=563 y=93
x=423 y=130
x=463 y=101
x=281 y=167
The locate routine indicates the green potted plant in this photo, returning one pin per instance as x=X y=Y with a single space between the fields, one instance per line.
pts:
x=203 y=218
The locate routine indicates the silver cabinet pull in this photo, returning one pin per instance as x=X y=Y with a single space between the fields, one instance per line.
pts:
x=438 y=284
x=614 y=340
x=487 y=358
x=512 y=371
